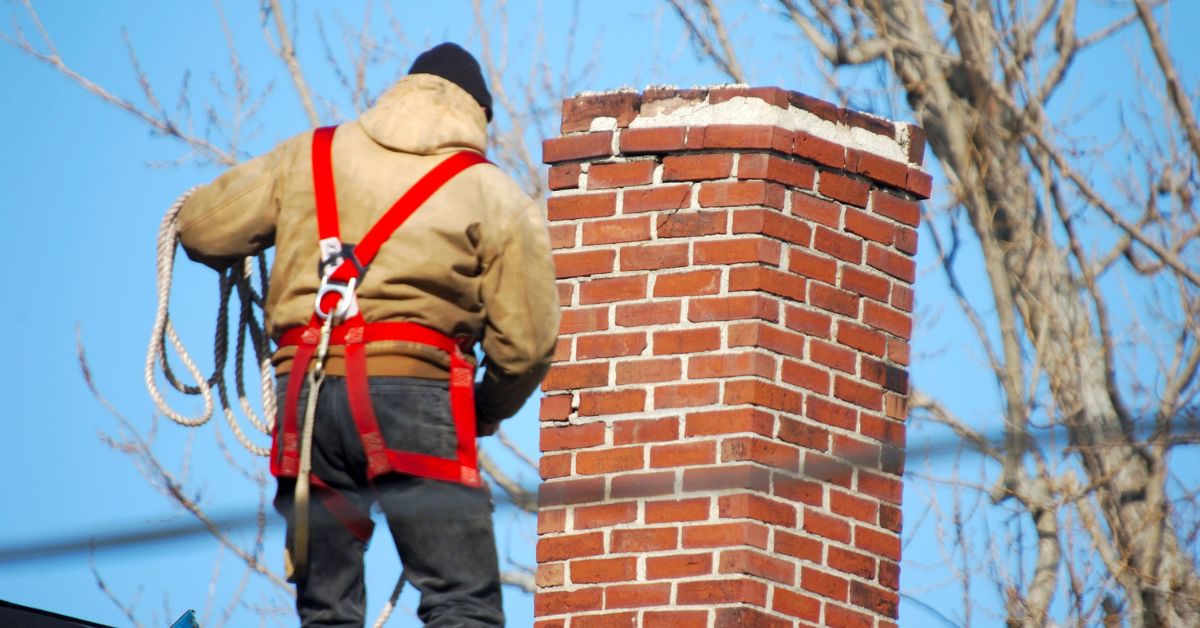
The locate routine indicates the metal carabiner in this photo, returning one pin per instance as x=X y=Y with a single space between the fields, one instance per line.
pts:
x=346 y=307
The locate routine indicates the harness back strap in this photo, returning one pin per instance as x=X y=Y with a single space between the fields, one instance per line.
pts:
x=355 y=333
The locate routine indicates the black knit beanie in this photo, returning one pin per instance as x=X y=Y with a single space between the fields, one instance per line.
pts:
x=456 y=65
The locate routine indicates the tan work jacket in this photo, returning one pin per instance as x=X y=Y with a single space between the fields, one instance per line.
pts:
x=474 y=260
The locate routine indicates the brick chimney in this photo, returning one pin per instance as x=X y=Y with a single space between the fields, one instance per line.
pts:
x=723 y=430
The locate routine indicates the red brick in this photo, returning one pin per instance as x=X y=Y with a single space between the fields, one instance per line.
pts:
x=746 y=506
x=609 y=460
x=801 y=547
x=797 y=490
x=683 y=454
x=863 y=224
x=564 y=177
x=688 y=283
x=572 y=147
x=803 y=433
x=656 y=257
x=862 y=338
x=749 y=562
x=713 y=592
x=731 y=365
x=877 y=600
x=894 y=264
x=889 y=575
x=763 y=166
x=577 y=320
x=551 y=521
x=679 y=566
x=575 y=206
x=895 y=406
x=562 y=602
x=824 y=584
x=843 y=188
x=729 y=422
x=883 y=487
x=691 y=224
x=866 y=284
x=740 y=193
x=919 y=183
x=555 y=408
x=615 y=230
x=885 y=431
x=572 y=436
x=610 y=345
x=830 y=413
x=891 y=377
x=596 y=570
x=848 y=505
x=740 y=136
x=611 y=402
x=887 y=319
x=687 y=340
x=839 y=617
x=770 y=95
x=604 y=515
x=898 y=351
x=805 y=376
x=686 y=395
x=817 y=267
x=916 y=144
x=737 y=251
x=656 y=198
x=654 y=140
x=760 y=393
x=623 y=174
x=641 y=314
x=832 y=356
x=819 y=150
x=859 y=394
x=632 y=431
x=626 y=619
x=644 y=539
x=896 y=208
x=554 y=466
x=721 y=477
x=697 y=167
x=839 y=245
x=853 y=563
x=885 y=171
x=578 y=112
x=739 y=616
x=612 y=289
x=674 y=510
x=648 y=371
x=573 y=376
x=755 y=334
x=675 y=619
x=733 y=308
x=651 y=484
x=833 y=300
x=572 y=491
x=562 y=349
x=797 y=605
x=825 y=526
x=885 y=544
x=906 y=240
x=569 y=546
x=769 y=280
x=769 y=453
x=562 y=236
x=817 y=210
x=773 y=224
x=635 y=595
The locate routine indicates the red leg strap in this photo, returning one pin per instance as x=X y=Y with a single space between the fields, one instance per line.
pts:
x=355 y=519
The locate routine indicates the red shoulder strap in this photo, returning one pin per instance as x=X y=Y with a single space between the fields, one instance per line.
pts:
x=409 y=202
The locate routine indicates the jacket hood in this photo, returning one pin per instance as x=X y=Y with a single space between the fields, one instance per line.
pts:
x=426 y=114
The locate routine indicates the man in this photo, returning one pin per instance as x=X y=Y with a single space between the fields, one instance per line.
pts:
x=469 y=262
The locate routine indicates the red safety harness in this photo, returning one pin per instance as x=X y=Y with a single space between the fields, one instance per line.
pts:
x=341 y=269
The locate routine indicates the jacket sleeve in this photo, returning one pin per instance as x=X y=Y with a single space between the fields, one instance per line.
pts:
x=234 y=216
x=521 y=301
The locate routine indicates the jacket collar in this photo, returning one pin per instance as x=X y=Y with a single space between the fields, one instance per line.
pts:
x=425 y=115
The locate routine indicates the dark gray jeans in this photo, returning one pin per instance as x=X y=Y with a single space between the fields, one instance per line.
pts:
x=442 y=530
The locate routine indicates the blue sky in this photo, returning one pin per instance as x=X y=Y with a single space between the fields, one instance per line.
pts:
x=86 y=185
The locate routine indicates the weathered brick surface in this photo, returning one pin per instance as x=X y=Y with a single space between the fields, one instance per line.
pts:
x=724 y=424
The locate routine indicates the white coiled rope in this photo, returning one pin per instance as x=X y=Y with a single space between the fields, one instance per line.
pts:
x=238 y=276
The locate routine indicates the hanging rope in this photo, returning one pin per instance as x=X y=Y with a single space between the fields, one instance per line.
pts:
x=237 y=279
